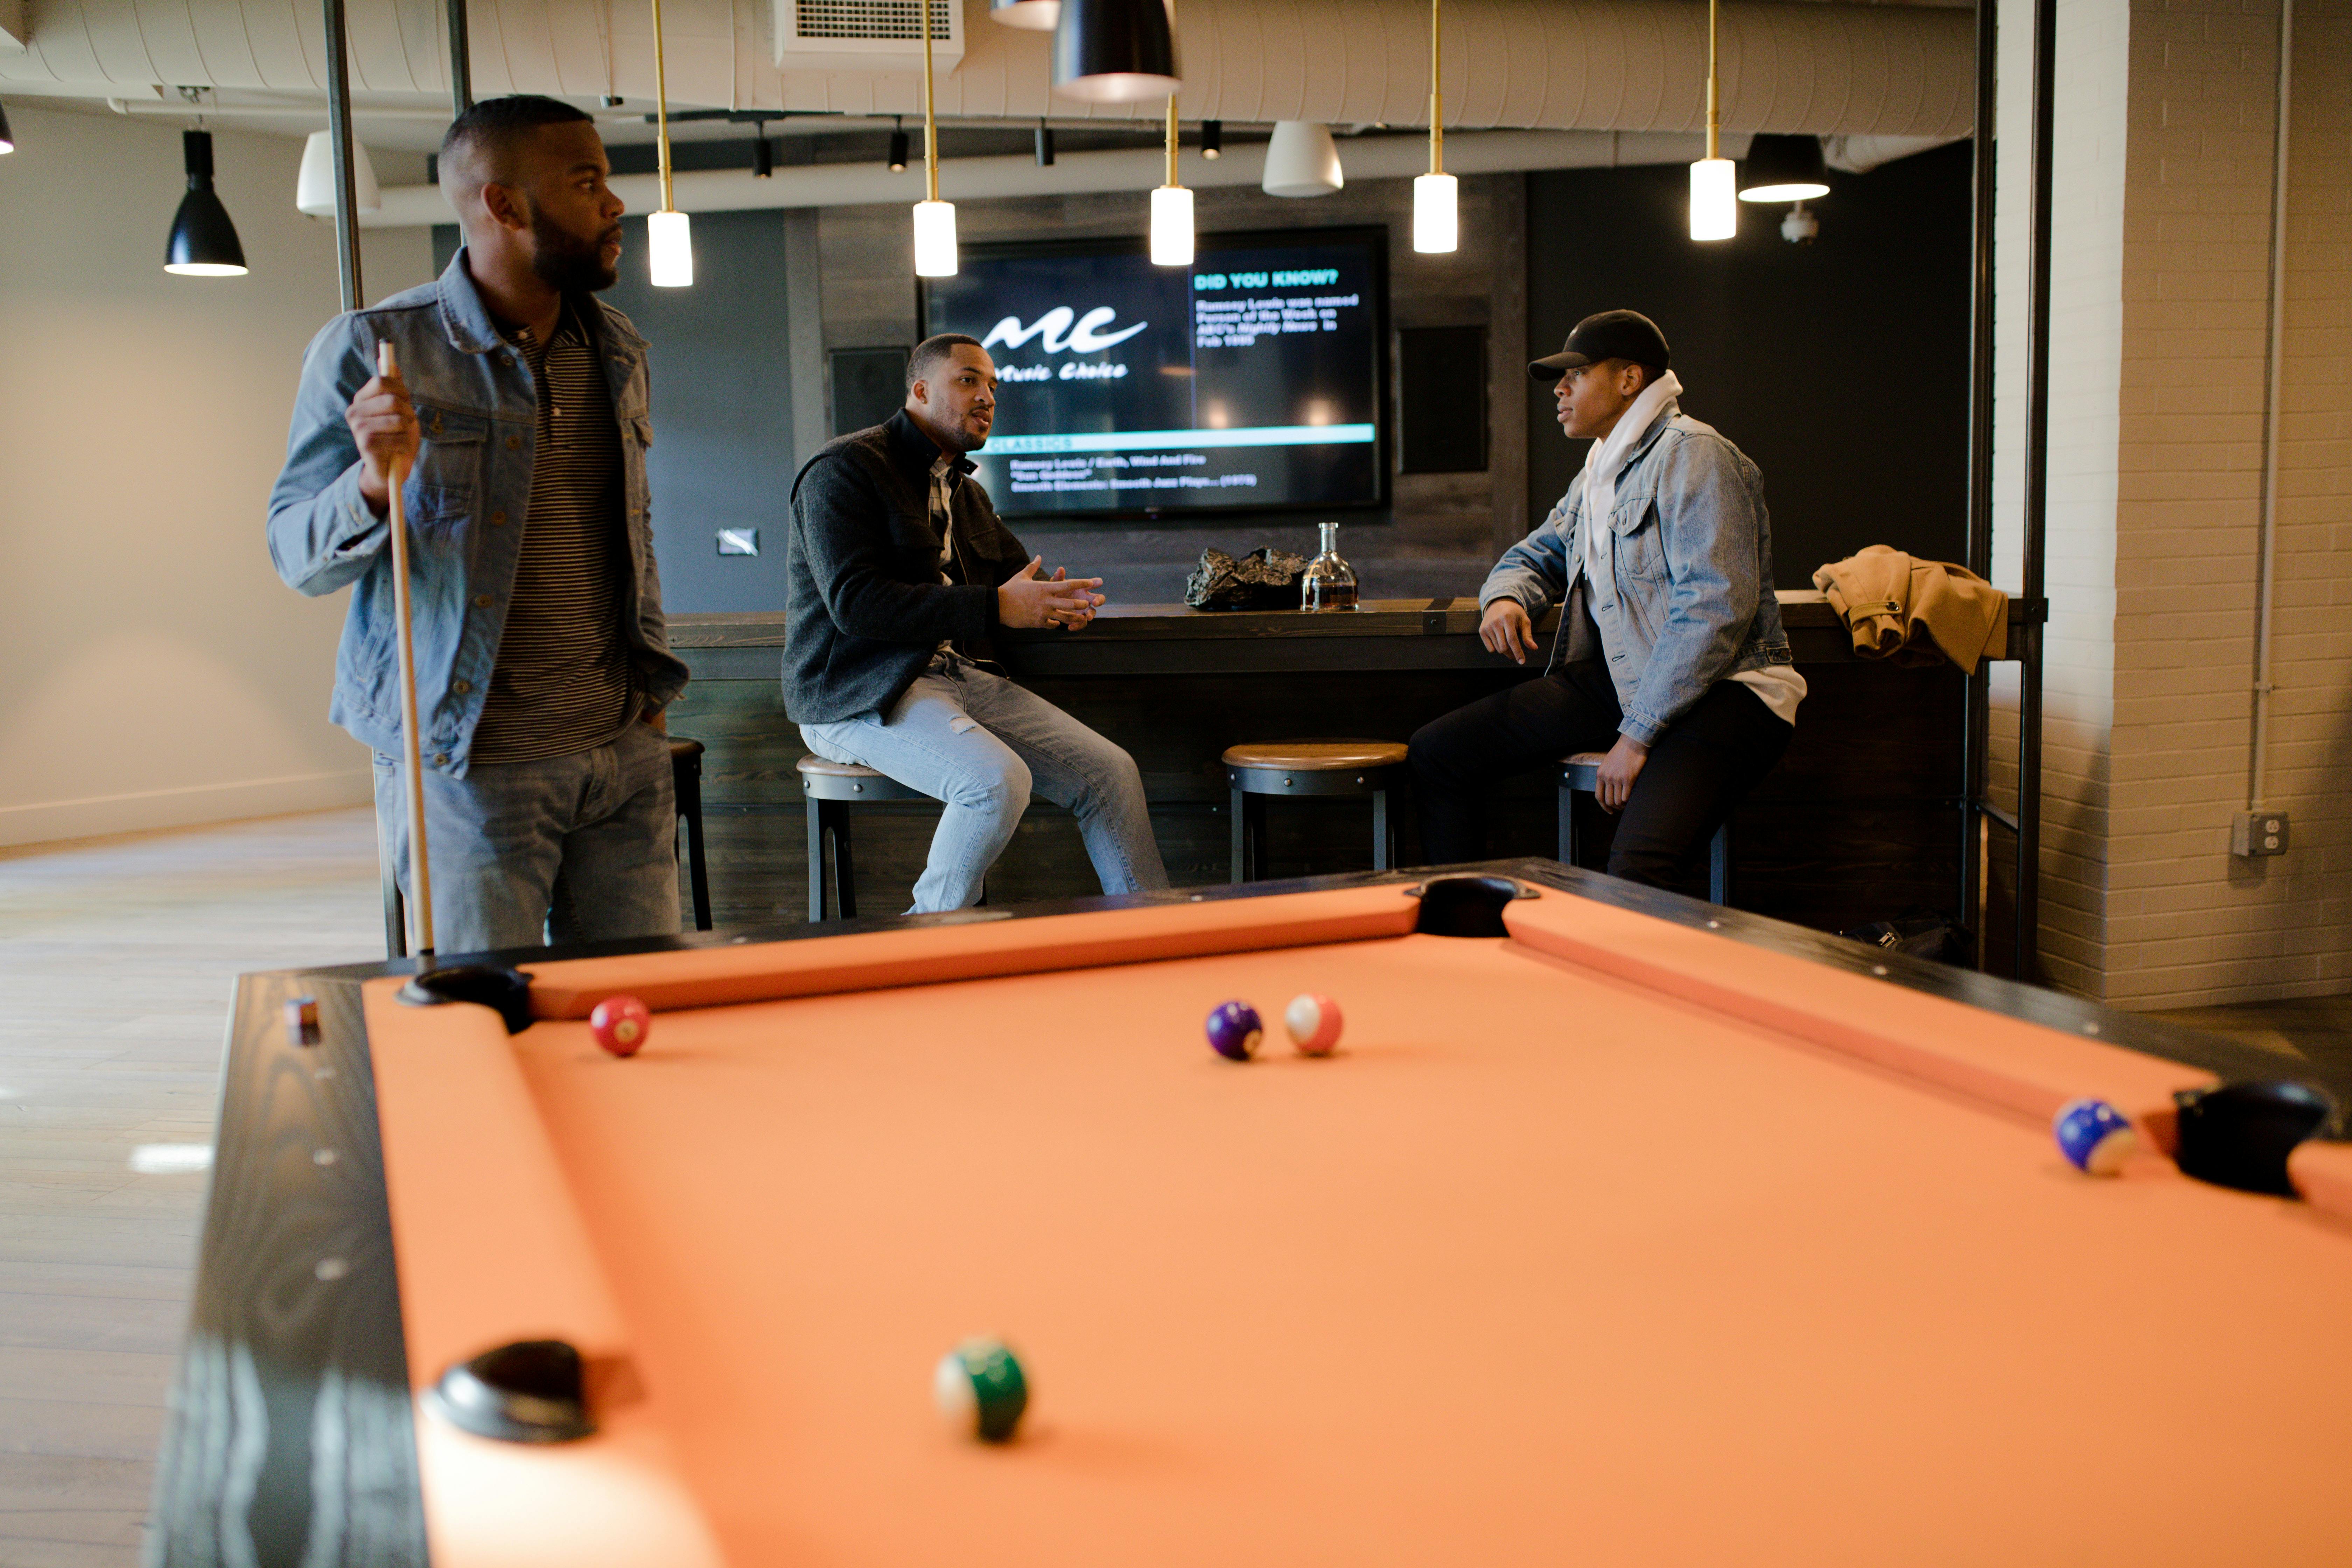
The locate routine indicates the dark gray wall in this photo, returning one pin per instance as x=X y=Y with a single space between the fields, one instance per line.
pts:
x=1840 y=367
x=723 y=452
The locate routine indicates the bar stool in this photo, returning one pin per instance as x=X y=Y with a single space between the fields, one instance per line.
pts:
x=1580 y=774
x=685 y=784
x=1357 y=768
x=829 y=789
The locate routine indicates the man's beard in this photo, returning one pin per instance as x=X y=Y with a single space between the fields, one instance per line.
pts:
x=565 y=262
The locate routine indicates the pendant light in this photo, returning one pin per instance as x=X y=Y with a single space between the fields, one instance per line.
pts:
x=204 y=242
x=1436 y=201
x=7 y=139
x=1714 y=205
x=935 y=234
x=1784 y=169
x=1301 y=159
x=1172 y=204
x=1031 y=15
x=1045 y=144
x=898 y=144
x=670 y=234
x=1114 y=51
x=315 y=185
x=1213 y=140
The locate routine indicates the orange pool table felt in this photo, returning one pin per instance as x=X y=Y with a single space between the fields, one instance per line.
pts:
x=1611 y=1241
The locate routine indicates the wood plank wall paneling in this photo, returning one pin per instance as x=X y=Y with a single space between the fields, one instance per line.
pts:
x=1439 y=533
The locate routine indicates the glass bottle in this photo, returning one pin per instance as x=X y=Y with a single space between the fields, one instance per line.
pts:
x=1329 y=582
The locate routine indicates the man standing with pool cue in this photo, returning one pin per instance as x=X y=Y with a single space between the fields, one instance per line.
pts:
x=519 y=414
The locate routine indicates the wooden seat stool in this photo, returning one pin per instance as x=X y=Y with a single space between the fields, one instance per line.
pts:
x=1580 y=774
x=829 y=789
x=1353 y=768
x=685 y=784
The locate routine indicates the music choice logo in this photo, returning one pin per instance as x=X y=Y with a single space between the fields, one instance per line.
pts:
x=1062 y=330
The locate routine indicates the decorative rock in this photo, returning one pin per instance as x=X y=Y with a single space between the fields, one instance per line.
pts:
x=1265 y=579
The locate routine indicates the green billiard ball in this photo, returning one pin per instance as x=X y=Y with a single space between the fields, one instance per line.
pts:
x=980 y=1390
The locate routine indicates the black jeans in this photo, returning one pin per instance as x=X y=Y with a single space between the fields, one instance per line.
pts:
x=1698 y=771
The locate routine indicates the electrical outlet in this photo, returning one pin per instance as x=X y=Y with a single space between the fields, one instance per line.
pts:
x=2253 y=833
x=738 y=542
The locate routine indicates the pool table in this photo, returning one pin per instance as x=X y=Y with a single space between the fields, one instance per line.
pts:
x=1619 y=1229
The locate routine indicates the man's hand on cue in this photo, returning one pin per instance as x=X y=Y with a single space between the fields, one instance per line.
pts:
x=383 y=422
x=1506 y=629
x=1028 y=599
x=1619 y=769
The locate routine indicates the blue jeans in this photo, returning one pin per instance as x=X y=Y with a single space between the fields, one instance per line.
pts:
x=980 y=744
x=577 y=848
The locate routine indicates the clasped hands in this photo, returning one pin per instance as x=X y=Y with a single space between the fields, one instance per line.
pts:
x=1507 y=629
x=1027 y=598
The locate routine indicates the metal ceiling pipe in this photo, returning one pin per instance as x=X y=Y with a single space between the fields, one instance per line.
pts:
x=1134 y=170
x=1600 y=65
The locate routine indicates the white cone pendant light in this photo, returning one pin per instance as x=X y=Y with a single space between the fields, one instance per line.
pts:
x=1436 y=201
x=1714 y=179
x=314 y=188
x=1031 y=15
x=1302 y=161
x=935 y=229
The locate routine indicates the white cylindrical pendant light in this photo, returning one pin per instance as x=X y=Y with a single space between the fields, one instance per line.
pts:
x=1302 y=161
x=1436 y=197
x=1714 y=199
x=314 y=188
x=935 y=239
x=1436 y=222
x=1715 y=179
x=1172 y=226
x=670 y=249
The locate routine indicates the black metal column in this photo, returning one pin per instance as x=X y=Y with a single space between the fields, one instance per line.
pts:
x=461 y=60
x=347 y=185
x=2037 y=490
x=1977 y=734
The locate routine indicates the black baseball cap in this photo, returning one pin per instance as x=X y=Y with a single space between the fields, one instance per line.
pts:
x=1611 y=334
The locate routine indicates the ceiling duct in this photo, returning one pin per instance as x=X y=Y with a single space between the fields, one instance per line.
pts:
x=1597 y=65
x=865 y=34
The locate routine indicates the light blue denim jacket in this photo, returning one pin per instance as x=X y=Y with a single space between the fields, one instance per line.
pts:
x=467 y=502
x=1689 y=599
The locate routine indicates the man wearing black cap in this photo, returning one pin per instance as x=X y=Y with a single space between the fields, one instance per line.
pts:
x=1670 y=651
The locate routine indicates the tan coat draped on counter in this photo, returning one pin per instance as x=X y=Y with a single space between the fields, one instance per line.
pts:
x=1913 y=611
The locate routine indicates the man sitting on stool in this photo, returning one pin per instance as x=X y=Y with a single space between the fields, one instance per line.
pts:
x=896 y=573
x=1675 y=657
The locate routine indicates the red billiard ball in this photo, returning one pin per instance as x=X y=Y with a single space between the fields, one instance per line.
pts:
x=621 y=1024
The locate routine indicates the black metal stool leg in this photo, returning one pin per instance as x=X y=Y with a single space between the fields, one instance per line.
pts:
x=1718 y=866
x=1241 y=846
x=1382 y=849
x=687 y=776
x=1568 y=845
x=1253 y=837
x=845 y=875
x=815 y=809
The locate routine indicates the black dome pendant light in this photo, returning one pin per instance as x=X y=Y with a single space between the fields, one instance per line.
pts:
x=203 y=241
x=1784 y=169
x=1114 y=51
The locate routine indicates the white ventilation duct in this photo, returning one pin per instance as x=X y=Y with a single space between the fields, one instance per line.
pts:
x=1131 y=172
x=1601 y=65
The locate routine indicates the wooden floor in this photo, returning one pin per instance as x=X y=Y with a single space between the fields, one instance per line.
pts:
x=116 y=959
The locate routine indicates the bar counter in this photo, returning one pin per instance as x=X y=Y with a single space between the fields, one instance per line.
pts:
x=1860 y=821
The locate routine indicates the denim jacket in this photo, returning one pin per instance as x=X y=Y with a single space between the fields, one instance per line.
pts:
x=466 y=498
x=1689 y=600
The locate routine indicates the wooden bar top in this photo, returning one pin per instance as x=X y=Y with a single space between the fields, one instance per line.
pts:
x=1381 y=635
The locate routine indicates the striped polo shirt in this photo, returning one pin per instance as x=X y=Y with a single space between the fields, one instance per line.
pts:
x=561 y=683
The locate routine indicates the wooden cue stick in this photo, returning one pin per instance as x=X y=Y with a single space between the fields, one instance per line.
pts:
x=420 y=879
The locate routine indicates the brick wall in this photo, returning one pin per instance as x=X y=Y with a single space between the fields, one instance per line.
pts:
x=2159 y=370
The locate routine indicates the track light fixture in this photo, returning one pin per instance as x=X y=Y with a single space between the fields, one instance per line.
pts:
x=669 y=235
x=1115 y=51
x=1714 y=209
x=1045 y=144
x=899 y=145
x=935 y=228
x=203 y=241
x=7 y=138
x=1213 y=140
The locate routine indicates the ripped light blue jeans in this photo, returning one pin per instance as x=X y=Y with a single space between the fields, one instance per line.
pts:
x=978 y=744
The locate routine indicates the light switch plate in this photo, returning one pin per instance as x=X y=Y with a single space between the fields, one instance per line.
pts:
x=738 y=542
x=2257 y=833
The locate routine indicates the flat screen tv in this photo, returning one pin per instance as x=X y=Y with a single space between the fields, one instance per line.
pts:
x=1250 y=381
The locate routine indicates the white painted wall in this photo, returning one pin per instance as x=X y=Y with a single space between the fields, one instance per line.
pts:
x=158 y=673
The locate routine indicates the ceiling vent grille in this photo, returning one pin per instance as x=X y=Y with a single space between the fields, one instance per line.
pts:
x=866 y=35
